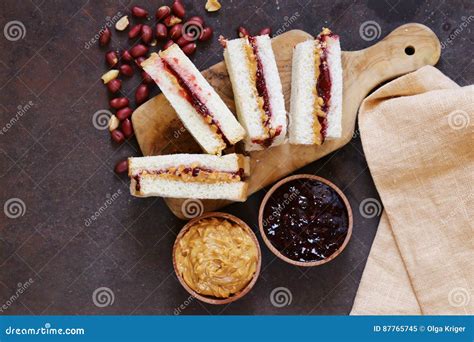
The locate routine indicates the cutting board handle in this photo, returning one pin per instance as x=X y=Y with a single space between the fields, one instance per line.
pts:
x=406 y=49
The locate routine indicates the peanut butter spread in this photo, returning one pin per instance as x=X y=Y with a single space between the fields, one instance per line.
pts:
x=318 y=101
x=194 y=173
x=216 y=257
x=252 y=64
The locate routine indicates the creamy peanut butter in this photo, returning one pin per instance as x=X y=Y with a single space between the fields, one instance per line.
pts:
x=318 y=101
x=253 y=68
x=194 y=173
x=216 y=257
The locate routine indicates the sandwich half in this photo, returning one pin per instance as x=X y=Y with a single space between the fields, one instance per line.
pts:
x=199 y=176
x=316 y=90
x=197 y=104
x=257 y=90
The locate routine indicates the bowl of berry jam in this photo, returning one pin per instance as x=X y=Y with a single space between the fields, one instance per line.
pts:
x=305 y=220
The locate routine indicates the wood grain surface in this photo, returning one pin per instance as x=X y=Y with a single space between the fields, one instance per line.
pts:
x=407 y=48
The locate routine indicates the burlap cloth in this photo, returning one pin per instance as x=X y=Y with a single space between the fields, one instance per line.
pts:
x=418 y=137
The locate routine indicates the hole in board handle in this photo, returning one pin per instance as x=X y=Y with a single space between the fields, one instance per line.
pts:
x=410 y=50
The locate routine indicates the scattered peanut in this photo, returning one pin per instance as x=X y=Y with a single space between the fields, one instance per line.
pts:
x=111 y=58
x=126 y=70
x=162 y=12
x=124 y=113
x=184 y=40
x=114 y=122
x=114 y=85
x=110 y=75
x=141 y=94
x=189 y=49
x=139 y=12
x=126 y=56
x=162 y=31
x=147 y=78
x=139 y=61
x=212 y=5
x=135 y=31
x=147 y=34
x=121 y=166
x=168 y=44
x=206 y=34
x=176 y=31
x=178 y=9
x=119 y=102
x=122 y=23
x=127 y=128
x=264 y=31
x=105 y=37
x=117 y=136
x=196 y=19
x=138 y=50
x=172 y=20
x=243 y=32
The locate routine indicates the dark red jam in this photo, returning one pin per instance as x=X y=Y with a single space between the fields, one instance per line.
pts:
x=262 y=91
x=268 y=141
x=323 y=85
x=194 y=99
x=194 y=171
x=306 y=220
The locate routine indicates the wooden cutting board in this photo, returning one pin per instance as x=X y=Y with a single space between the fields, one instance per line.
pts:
x=407 y=48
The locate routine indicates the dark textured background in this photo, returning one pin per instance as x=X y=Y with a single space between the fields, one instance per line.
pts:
x=60 y=166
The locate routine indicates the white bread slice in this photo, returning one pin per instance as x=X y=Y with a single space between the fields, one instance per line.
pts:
x=303 y=84
x=334 y=128
x=302 y=98
x=175 y=189
x=274 y=87
x=209 y=140
x=153 y=185
x=245 y=93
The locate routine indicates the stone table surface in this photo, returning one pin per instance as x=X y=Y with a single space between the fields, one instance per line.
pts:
x=56 y=167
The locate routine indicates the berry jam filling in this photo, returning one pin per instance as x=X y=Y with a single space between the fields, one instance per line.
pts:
x=306 y=220
x=323 y=85
x=193 y=172
x=262 y=91
x=193 y=98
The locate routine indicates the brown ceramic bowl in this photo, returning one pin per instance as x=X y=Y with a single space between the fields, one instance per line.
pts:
x=248 y=287
x=276 y=251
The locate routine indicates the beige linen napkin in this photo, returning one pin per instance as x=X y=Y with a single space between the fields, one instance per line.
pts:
x=418 y=137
